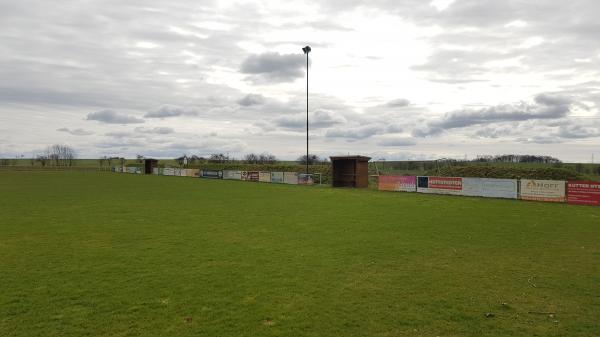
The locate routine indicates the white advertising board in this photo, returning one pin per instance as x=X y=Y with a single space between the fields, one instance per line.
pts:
x=543 y=190
x=232 y=175
x=168 y=171
x=290 y=178
x=264 y=177
x=277 y=177
x=490 y=188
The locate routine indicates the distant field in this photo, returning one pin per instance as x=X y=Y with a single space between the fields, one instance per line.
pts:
x=100 y=254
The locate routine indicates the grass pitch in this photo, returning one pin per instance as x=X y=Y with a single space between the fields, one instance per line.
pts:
x=90 y=254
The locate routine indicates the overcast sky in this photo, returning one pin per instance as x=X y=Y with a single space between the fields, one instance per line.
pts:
x=401 y=79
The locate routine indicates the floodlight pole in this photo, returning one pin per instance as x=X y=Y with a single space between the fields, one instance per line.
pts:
x=306 y=50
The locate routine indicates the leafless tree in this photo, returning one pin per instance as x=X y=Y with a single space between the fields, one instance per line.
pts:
x=313 y=159
x=218 y=158
x=57 y=155
x=267 y=158
x=251 y=158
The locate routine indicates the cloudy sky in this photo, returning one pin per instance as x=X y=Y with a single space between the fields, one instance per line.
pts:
x=402 y=79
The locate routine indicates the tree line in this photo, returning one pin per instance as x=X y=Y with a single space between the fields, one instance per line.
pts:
x=516 y=158
x=251 y=158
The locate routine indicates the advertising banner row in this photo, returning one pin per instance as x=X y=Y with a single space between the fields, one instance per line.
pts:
x=573 y=192
x=292 y=178
x=130 y=169
x=177 y=172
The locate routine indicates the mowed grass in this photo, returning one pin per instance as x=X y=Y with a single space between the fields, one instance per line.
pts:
x=100 y=254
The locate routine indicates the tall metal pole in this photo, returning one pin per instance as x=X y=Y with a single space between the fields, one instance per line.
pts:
x=306 y=50
x=307 y=158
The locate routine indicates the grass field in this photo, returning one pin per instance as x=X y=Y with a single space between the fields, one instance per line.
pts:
x=99 y=254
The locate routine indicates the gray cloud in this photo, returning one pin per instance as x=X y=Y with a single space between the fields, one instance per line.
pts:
x=274 y=67
x=157 y=130
x=166 y=111
x=251 y=99
x=494 y=132
x=360 y=132
x=290 y=122
x=578 y=132
x=112 y=117
x=539 y=140
x=326 y=118
x=319 y=119
x=393 y=128
x=545 y=106
x=405 y=141
x=424 y=131
x=398 y=103
x=76 y=132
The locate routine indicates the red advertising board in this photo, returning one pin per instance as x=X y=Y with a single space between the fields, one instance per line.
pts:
x=398 y=183
x=445 y=183
x=583 y=193
x=253 y=176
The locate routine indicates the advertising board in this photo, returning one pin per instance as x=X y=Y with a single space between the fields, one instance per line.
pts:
x=398 y=183
x=232 y=175
x=264 y=177
x=490 y=188
x=252 y=176
x=305 y=179
x=169 y=171
x=583 y=193
x=440 y=185
x=543 y=190
x=211 y=174
x=290 y=178
x=277 y=177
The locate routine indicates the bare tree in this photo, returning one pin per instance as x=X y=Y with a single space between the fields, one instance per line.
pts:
x=251 y=158
x=313 y=159
x=218 y=158
x=267 y=158
x=57 y=155
x=196 y=159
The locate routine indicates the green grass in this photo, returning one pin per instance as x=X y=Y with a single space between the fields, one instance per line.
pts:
x=99 y=254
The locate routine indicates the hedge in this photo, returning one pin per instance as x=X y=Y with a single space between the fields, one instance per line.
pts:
x=547 y=173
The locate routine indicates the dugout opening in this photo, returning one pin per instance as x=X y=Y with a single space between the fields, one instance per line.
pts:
x=149 y=164
x=350 y=171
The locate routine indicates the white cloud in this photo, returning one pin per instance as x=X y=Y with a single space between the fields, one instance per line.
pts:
x=441 y=5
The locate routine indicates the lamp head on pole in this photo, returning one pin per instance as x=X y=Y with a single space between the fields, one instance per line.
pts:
x=306 y=49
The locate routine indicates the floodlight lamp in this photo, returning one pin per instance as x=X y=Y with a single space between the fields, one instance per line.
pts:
x=306 y=49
